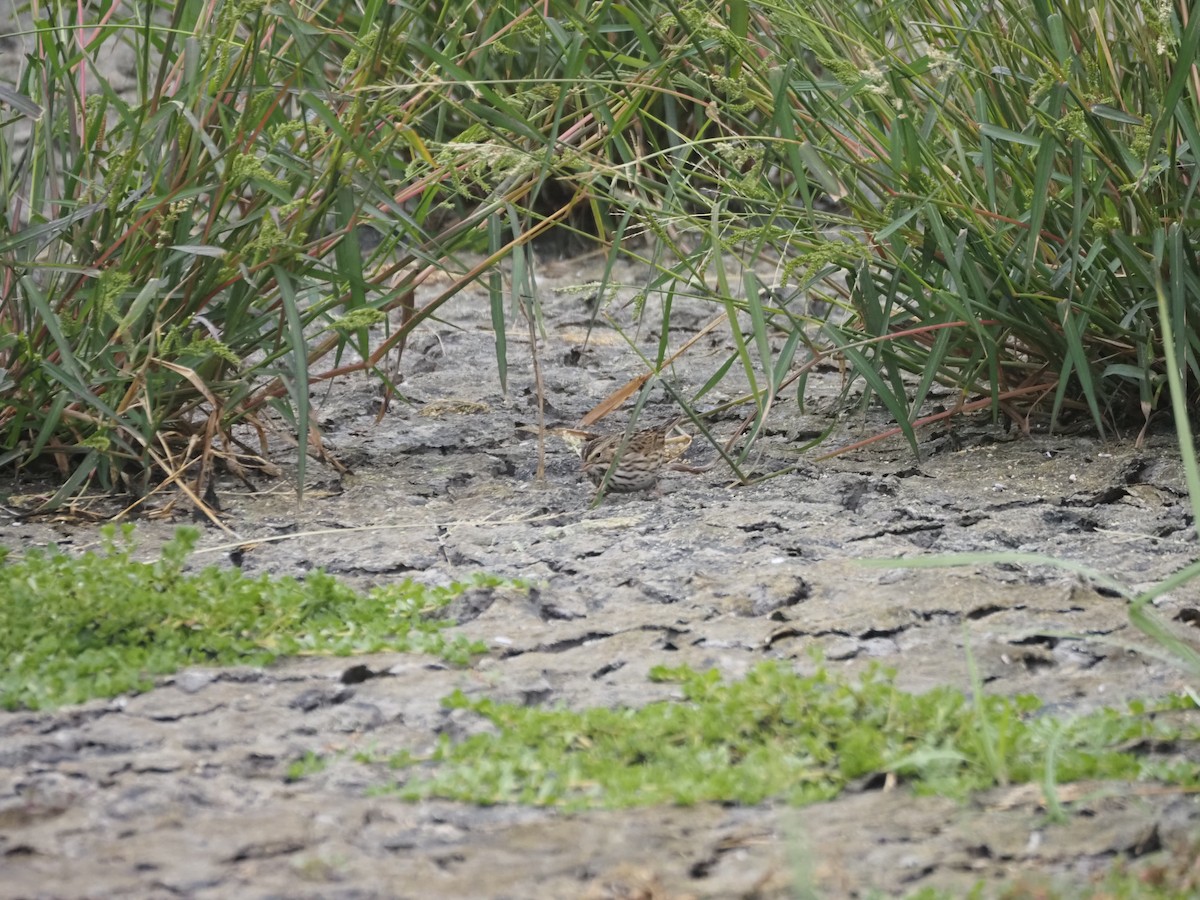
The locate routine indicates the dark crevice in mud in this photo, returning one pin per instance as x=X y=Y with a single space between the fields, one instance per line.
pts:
x=1028 y=576
x=372 y=571
x=201 y=745
x=667 y=630
x=825 y=633
x=783 y=634
x=1031 y=662
x=913 y=875
x=459 y=480
x=953 y=617
x=552 y=612
x=919 y=529
x=1037 y=640
x=1057 y=517
x=1189 y=616
x=537 y=696
x=48 y=724
x=650 y=592
x=608 y=669
x=260 y=762
x=17 y=850
x=177 y=717
x=108 y=748
x=853 y=496
x=939 y=617
x=454 y=447
x=874 y=781
x=267 y=850
x=52 y=754
x=1106 y=497
x=157 y=769
x=470 y=605
x=670 y=636
x=801 y=592
x=1151 y=842
x=703 y=867
x=898 y=531
x=247 y=675
x=1009 y=505
x=876 y=633
x=1058 y=610
x=318 y=698
x=1102 y=632
x=991 y=609
x=360 y=673
x=1132 y=471
x=1169 y=531
x=542 y=518
x=761 y=527
x=559 y=646
x=1159 y=747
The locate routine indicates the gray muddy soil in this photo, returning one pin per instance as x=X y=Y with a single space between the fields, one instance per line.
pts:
x=183 y=791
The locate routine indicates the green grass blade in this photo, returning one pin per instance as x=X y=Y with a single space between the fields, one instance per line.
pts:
x=297 y=377
x=496 y=300
x=897 y=404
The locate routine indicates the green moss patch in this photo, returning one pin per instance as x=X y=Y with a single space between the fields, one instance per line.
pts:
x=97 y=625
x=775 y=734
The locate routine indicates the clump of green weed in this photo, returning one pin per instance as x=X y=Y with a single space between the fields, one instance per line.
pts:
x=100 y=624
x=776 y=734
x=309 y=764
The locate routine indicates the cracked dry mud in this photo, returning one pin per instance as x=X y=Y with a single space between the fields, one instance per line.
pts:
x=182 y=791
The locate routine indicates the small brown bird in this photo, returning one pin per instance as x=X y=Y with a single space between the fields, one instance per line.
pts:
x=637 y=462
x=643 y=456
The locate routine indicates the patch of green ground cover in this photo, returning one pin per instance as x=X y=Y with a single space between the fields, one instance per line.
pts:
x=308 y=764
x=775 y=734
x=100 y=624
x=1164 y=876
